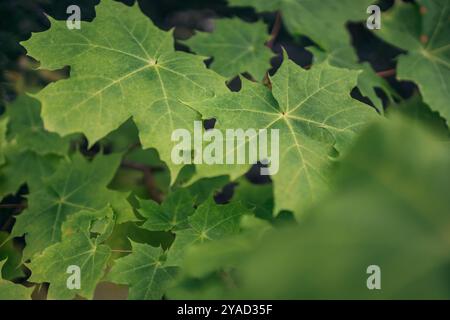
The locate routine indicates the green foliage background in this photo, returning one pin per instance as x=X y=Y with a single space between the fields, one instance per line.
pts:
x=85 y=128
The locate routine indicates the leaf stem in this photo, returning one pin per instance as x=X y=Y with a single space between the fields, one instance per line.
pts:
x=386 y=73
x=13 y=205
x=275 y=30
x=149 y=180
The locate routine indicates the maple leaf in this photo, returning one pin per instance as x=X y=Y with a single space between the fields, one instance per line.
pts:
x=172 y=214
x=368 y=80
x=324 y=22
x=221 y=254
x=179 y=204
x=208 y=267
x=144 y=271
x=77 y=248
x=210 y=221
x=425 y=37
x=313 y=112
x=121 y=66
x=236 y=47
x=327 y=28
x=76 y=185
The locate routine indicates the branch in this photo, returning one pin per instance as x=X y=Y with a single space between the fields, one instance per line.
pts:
x=228 y=279
x=275 y=30
x=386 y=73
x=149 y=180
x=13 y=206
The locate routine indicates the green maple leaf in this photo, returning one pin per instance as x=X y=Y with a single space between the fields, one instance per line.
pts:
x=368 y=80
x=389 y=207
x=313 y=112
x=209 y=222
x=236 y=47
x=122 y=66
x=172 y=214
x=12 y=291
x=204 y=258
x=77 y=185
x=425 y=37
x=144 y=271
x=324 y=21
x=174 y=211
x=208 y=267
x=27 y=130
x=77 y=248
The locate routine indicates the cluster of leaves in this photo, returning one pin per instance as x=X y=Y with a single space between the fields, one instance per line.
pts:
x=356 y=185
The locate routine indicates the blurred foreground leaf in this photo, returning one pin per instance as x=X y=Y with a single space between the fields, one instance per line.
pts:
x=389 y=207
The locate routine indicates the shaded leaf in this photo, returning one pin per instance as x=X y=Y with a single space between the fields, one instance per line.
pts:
x=209 y=222
x=26 y=128
x=172 y=214
x=79 y=249
x=236 y=47
x=144 y=271
x=324 y=22
x=368 y=80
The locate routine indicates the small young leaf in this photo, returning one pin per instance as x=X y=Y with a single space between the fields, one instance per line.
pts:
x=172 y=214
x=209 y=222
x=144 y=271
x=236 y=47
x=368 y=80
